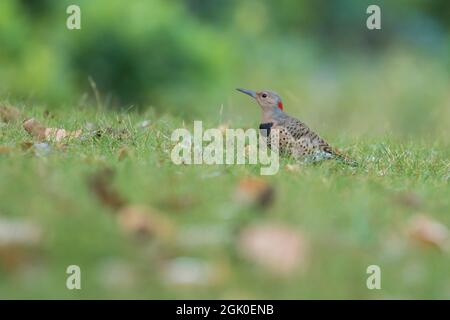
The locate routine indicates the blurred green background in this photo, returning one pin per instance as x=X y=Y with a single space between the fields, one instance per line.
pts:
x=186 y=57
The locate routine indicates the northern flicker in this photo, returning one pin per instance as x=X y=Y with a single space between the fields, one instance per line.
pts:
x=295 y=138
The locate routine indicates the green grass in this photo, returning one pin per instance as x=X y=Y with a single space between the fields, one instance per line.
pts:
x=351 y=217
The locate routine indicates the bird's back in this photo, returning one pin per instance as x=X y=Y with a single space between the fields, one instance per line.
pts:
x=298 y=140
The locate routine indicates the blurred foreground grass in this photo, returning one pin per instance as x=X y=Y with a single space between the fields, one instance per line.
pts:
x=348 y=218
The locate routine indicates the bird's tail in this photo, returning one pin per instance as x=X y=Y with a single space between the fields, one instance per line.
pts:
x=344 y=158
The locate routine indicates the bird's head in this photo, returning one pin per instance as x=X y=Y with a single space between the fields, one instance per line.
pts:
x=266 y=99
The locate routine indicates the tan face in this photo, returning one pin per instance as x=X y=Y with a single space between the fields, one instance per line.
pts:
x=267 y=99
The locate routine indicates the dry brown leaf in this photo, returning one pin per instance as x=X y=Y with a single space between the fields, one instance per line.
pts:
x=5 y=149
x=254 y=191
x=37 y=130
x=17 y=238
x=34 y=128
x=425 y=230
x=26 y=145
x=279 y=249
x=59 y=134
x=9 y=114
x=101 y=184
x=142 y=220
x=123 y=153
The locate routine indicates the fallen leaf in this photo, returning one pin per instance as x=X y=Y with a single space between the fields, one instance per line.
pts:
x=25 y=145
x=18 y=241
x=9 y=114
x=37 y=130
x=101 y=184
x=5 y=149
x=142 y=220
x=279 y=249
x=425 y=230
x=123 y=152
x=60 y=134
x=254 y=191
x=34 y=128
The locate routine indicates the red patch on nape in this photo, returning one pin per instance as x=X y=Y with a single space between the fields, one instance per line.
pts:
x=280 y=105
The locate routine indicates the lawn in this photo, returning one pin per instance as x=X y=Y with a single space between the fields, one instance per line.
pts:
x=138 y=226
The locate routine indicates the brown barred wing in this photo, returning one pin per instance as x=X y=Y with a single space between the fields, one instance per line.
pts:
x=304 y=140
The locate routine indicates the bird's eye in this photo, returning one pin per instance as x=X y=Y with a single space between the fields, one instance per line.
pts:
x=264 y=95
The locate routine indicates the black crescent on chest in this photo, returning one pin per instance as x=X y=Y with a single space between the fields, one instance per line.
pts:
x=265 y=128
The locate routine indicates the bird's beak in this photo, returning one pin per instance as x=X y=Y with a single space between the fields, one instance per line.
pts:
x=251 y=93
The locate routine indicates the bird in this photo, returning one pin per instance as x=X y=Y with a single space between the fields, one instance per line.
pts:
x=296 y=139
